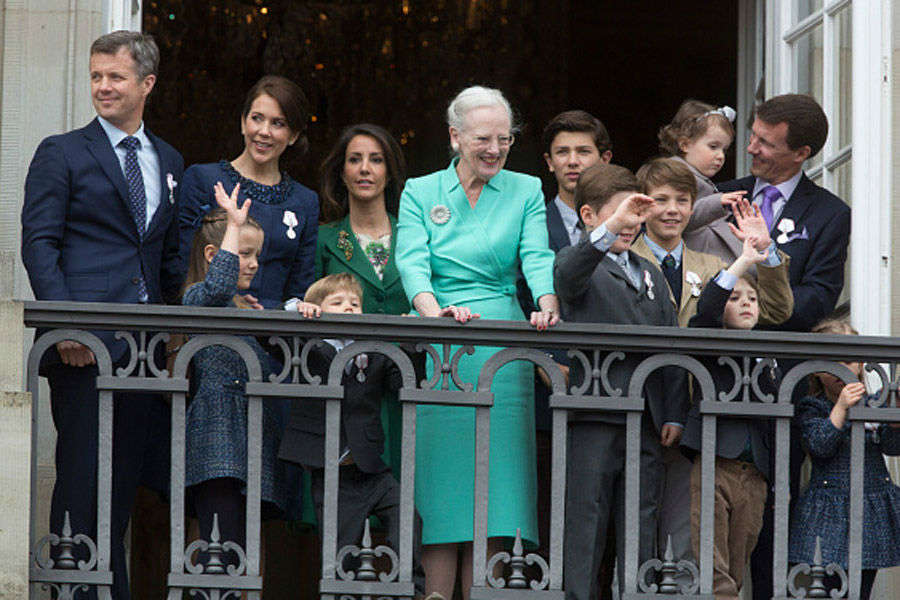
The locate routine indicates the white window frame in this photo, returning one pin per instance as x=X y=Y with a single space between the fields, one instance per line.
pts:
x=122 y=14
x=870 y=147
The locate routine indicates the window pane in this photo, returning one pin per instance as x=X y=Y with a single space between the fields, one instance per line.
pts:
x=842 y=181
x=808 y=68
x=843 y=96
x=806 y=8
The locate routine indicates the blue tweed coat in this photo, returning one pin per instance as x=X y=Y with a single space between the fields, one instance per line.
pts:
x=824 y=508
x=217 y=413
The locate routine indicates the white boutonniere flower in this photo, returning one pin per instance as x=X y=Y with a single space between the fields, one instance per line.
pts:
x=786 y=227
x=290 y=220
x=440 y=214
x=171 y=184
x=694 y=281
x=648 y=280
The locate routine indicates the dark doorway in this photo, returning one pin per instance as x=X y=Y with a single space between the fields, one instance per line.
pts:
x=398 y=63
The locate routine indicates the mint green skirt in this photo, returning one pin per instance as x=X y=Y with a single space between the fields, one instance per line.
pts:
x=445 y=449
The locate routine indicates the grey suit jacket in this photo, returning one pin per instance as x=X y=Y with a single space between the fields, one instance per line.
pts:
x=592 y=288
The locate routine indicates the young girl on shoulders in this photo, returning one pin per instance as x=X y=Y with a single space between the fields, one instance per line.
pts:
x=223 y=260
x=823 y=510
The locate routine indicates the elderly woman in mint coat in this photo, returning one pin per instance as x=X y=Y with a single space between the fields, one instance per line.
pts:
x=462 y=234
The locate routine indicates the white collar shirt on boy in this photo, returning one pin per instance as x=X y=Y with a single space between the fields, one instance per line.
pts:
x=785 y=187
x=569 y=219
x=603 y=239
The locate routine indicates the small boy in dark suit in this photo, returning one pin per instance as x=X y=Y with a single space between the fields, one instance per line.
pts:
x=743 y=445
x=366 y=485
x=599 y=281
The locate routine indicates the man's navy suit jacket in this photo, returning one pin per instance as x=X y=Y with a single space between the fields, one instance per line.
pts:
x=79 y=239
x=817 y=247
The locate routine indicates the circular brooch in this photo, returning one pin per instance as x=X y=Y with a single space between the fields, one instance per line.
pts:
x=440 y=214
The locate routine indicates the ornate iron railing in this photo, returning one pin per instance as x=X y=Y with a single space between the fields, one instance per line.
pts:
x=596 y=347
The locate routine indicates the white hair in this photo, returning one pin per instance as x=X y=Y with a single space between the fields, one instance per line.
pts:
x=475 y=97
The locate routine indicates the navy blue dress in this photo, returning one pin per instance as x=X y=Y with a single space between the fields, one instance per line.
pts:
x=216 y=443
x=286 y=263
x=824 y=508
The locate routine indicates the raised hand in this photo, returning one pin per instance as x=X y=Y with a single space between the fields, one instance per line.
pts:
x=752 y=252
x=750 y=223
x=236 y=216
x=630 y=213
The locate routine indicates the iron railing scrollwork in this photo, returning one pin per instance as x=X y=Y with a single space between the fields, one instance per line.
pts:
x=79 y=562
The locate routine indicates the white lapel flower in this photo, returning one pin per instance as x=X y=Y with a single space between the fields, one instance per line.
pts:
x=786 y=227
x=290 y=220
x=694 y=281
x=648 y=280
x=171 y=184
x=440 y=214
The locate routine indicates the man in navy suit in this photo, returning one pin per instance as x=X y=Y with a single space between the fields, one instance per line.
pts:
x=98 y=226
x=808 y=223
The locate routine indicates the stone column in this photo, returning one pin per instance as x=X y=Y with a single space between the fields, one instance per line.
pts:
x=15 y=442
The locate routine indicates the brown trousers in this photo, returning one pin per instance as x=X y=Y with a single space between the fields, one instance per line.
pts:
x=740 y=497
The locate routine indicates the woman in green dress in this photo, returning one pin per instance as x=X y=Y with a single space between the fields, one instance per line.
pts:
x=462 y=234
x=362 y=178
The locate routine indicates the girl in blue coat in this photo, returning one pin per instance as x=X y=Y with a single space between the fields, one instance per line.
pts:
x=823 y=510
x=223 y=262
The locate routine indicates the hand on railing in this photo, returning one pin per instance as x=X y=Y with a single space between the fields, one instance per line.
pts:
x=462 y=314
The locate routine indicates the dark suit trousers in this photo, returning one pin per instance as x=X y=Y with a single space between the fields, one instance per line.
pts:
x=595 y=490
x=140 y=456
x=360 y=495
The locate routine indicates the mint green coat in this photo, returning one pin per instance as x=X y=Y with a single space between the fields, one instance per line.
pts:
x=472 y=259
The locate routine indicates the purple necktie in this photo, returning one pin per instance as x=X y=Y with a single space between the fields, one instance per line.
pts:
x=770 y=195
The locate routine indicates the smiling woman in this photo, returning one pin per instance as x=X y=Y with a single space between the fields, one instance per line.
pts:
x=273 y=118
x=462 y=234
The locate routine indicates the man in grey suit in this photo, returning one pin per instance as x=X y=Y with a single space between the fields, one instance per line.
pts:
x=598 y=280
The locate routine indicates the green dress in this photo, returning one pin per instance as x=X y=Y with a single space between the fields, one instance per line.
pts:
x=470 y=257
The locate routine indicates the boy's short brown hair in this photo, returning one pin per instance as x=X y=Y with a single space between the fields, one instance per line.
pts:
x=330 y=284
x=601 y=182
x=577 y=121
x=667 y=171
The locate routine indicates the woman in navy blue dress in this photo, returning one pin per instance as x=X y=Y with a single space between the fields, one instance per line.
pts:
x=823 y=510
x=273 y=119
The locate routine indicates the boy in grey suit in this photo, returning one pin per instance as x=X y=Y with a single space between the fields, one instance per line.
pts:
x=599 y=281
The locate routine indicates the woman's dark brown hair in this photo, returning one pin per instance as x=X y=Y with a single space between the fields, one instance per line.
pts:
x=292 y=101
x=335 y=203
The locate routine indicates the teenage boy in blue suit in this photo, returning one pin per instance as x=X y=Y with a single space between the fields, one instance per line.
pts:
x=573 y=141
x=98 y=226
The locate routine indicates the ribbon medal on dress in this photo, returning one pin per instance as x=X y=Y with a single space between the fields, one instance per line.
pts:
x=785 y=226
x=649 y=281
x=171 y=184
x=290 y=219
x=694 y=280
